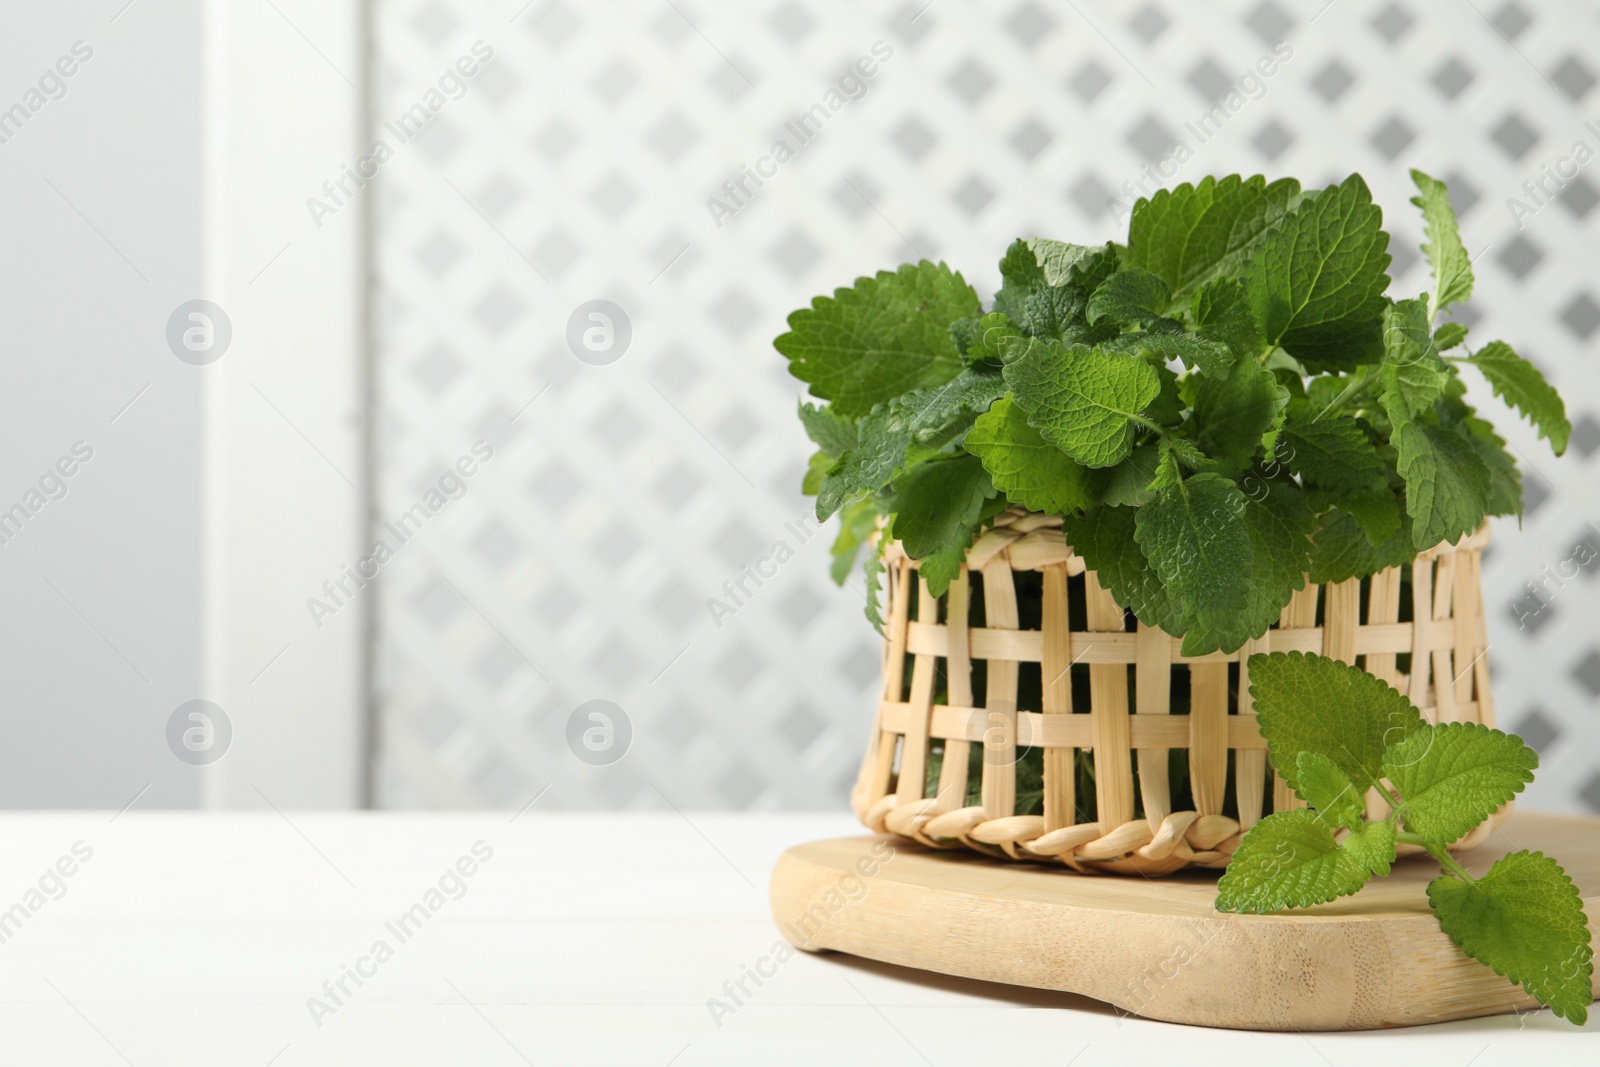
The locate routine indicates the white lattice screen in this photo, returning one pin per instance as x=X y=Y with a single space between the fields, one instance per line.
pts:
x=577 y=164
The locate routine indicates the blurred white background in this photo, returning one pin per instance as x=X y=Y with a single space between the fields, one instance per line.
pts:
x=381 y=331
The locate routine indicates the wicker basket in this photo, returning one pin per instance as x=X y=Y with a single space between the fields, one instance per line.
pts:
x=1073 y=671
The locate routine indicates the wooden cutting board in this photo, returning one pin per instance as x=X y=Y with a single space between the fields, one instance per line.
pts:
x=1155 y=947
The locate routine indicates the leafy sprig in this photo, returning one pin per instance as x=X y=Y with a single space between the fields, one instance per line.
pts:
x=1223 y=406
x=1335 y=732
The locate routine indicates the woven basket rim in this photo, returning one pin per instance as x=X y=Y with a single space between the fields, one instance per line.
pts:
x=1024 y=521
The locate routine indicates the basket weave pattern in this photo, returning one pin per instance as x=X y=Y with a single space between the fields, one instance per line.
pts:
x=1356 y=621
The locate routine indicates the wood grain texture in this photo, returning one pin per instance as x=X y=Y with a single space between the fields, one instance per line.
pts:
x=1155 y=947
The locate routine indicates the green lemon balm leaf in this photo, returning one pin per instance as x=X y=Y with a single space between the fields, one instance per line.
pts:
x=1371 y=845
x=1310 y=703
x=984 y=339
x=887 y=438
x=1448 y=483
x=1452 y=267
x=1130 y=296
x=1211 y=357
x=1046 y=302
x=880 y=452
x=816 y=470
x=856 y=525
x=938 y=507
x=830 y=431
x=1288 y=860
x=1104 y=537
x=872 y=574
x=1195 y=535
x=1082 y=400
x=1316 y=283
x=1519 y=383
x=1077 y=266
x=1027 y=298
x=1130 y=479
x=1523 y=919
x=1027 y=468
x=1194 y=234
x=1222 y=313
x=1449 y=335
x=1331 y=452
x=1279 y=524
x=1414 y=374
x=1505 y=481
x=1378 y=512
x=1185 y=452
x=1235 y=412
x=1454 y=775
x=1320 y=783
x=881 y=337
x=1342 y=549
x=1169 y=472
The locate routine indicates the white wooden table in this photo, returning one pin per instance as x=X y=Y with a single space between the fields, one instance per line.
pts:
x=582 y=939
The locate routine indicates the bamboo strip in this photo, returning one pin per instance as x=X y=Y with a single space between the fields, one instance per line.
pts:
x=1076 y=731
x=999 y=790
x=1208 y=736
x=1466 y=611
x=896 y=623
x=1108 y=706
x=1301 y=611
x=1383 y=608
x=1152 y=685
x=1249 y=765
x=862 y=794
x=1300 y=614
x=1026 y=646
x=1444 y=670
x=1483 y=710
x=952 y=790
x=1341 y=611
x=1421 y=635
x=1480 y=667
x=1060 y=774
x=913 y=781
x=1341 y=618
x=1124 y=839
x=1283 y=798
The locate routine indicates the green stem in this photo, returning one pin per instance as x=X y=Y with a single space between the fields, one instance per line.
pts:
x=1406 y=837
x=1154 y=427
x=1393 y=799
x=1445 y=860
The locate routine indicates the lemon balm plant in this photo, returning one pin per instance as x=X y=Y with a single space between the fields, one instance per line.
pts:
x=1223 y=406
x=1335 y=732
